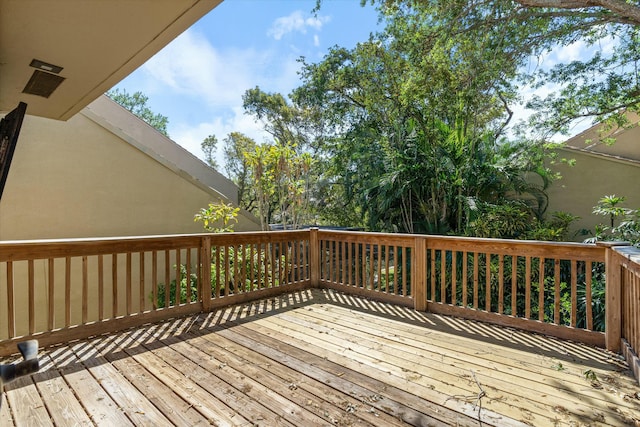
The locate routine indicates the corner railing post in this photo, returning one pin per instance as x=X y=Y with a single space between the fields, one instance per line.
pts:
x=205 y=275
x=314 y=257
x=419 y=274
x=613 y=296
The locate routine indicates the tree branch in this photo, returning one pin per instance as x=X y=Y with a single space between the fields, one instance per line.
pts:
x=626 y=12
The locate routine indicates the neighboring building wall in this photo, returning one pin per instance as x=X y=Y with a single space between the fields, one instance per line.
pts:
x=593 y=177
x=77 y=179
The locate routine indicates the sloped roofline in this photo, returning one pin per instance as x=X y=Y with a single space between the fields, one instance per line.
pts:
x=122 y=123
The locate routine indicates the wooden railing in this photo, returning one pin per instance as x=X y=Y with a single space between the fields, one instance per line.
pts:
x=538 y=286
x=623 y=302
x=63 y=290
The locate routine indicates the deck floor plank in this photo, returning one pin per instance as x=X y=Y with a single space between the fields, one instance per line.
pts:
x=324 y=400
x=426 y=397
x=253 y=397
x=177 y=410
x=384 y=353
x=378 y=394
x=26 y=404
x=210 y=397
x=402 y=369
x=134 y=404
x=102 y=409
x=316 y=358
x=323 y=412
x=5 y=414
x=63 y=405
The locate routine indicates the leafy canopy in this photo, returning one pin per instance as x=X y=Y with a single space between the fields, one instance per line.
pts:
x=137 y=104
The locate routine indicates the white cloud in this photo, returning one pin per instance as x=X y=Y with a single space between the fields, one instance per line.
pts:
x=190 y=136
x=295 y=22
x=316 y=40
x=190 y=65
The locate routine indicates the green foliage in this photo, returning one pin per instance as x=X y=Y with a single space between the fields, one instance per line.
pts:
x=217 y=213
x=280 y=177
x=137 y=104
x=233 y=270
x=182 y=289
x=609 y=206
x=628 y=230
x=209 y=149
x=238 y=169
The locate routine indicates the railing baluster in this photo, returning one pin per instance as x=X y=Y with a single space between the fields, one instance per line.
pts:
x=514 y=285
x=251 y=265
x=454 y=277
x=32 y=298
x=432 y=275
x=142 y=293
x=443 y=276
x=541 y=290
x=178 y=277
x=500 y=284
x=114 y=285
x=154 y=278
x=476 y=281
x=574 y=293
x=487 y=282
x=404 y=260
x=10 y=301
x=167 y=278
x=556 y=294
x=52 y=304
x=100 y=287
x=589 y=276
x=67 y=292
x=385 y=251
x=85 y=289
x=527 y=285
x=465 y=272
x=128 y=290
x=218 y=255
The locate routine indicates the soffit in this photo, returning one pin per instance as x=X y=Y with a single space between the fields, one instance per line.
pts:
x=97 y=44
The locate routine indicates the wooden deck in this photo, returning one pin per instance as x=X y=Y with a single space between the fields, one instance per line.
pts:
x=317 y=358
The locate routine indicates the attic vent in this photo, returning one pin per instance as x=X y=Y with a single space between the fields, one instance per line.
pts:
x=42 y=84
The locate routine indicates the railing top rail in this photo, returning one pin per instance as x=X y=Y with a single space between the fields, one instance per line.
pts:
x=368 y=237
x=57 y=248
x=563 y=250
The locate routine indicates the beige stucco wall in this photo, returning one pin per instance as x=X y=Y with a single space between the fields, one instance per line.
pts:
x=590 y=179
x=78 y=179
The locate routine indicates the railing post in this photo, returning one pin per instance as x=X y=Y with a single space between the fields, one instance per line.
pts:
x=205 y=274
x=613 y=297
x=419 y=274
x=314 y=257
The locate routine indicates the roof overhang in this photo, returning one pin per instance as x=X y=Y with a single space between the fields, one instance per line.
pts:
x=95 y=43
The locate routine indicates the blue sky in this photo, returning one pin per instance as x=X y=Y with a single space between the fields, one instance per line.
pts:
x=198 y=80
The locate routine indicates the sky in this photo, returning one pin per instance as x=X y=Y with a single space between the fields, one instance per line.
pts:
x=198 y=80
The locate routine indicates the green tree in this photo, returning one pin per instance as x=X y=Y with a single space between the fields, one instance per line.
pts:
x=281 y=119
x=413 y=128
x=237 y=167
x=520 y=33
x=280 y=177
x=209 y=145
x=137 y=104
